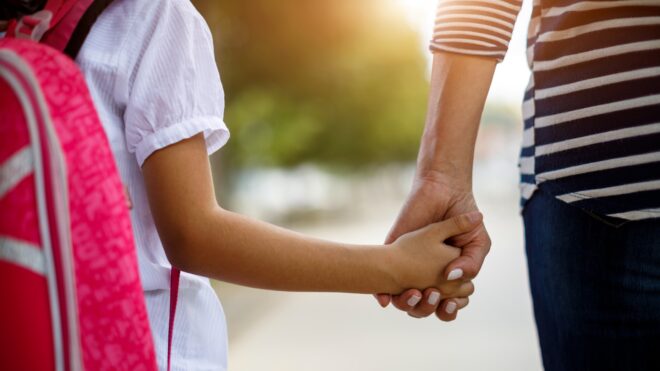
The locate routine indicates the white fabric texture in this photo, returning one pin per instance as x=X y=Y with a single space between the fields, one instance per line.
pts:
x=151 y=71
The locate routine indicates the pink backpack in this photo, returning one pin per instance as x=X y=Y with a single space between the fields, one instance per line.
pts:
x=69 y=281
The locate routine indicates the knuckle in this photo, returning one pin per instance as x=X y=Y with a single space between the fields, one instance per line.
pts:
x=488 y=242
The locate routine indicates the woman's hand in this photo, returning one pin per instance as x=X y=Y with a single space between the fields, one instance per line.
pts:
x=434 y=198
x=420 y=257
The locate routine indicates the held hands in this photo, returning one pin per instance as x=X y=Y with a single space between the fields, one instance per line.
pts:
x=420 y=256
x=435 y=198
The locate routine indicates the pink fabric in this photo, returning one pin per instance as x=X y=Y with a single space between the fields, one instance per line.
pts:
x=25 y=304
x=174 y=297
x=113 y=326
x=40 y=307
x=66 y=15
x=14 y=138
x=64 y=22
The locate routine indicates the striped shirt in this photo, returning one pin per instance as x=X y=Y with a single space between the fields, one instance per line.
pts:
x=592 y=107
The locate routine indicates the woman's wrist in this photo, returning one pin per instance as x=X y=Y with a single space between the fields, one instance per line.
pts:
x=444 y=163
x=444 y=178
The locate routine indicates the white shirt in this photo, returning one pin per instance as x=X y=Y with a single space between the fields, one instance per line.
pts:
x=151 y=71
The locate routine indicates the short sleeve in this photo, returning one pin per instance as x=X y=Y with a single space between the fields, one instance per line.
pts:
x=475 y=27
x=174 y=88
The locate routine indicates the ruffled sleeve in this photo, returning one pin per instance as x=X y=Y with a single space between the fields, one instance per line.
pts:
x=174 y=88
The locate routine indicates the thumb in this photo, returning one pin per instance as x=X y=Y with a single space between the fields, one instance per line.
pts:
x=415 y=214
x=405 y=223
x=458 y=224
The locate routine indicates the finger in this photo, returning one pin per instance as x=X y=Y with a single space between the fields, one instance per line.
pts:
x=457 y=289
x=402 y=225
x=457 y=225
x=414 y=215
x=468 y=265
x=447 y=310
x=383 y=299
x=428 y=304
x=408 y=300
x=466 y=289
x=462 y=303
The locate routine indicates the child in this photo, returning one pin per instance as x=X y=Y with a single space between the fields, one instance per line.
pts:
x=151 y=71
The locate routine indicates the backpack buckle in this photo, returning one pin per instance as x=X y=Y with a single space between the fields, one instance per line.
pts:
x=34 y=26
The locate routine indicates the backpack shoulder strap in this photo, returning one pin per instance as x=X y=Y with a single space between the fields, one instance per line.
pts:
x=174 y=295
x=84 y=26
x=63 y=24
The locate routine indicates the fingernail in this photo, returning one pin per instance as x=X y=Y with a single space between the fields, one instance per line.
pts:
x=414 y=300
x=473 y=216
x=455 y=274
x=434 y=297
x=451 y=307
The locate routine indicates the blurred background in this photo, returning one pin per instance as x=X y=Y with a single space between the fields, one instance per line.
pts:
x=326 y=102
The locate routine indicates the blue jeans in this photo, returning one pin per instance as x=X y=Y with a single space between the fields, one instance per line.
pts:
x=595 y=286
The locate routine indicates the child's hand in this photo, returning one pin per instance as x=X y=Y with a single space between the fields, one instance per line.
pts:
x=420 y=256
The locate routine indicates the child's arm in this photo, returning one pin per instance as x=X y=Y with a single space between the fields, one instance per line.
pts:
x=202 y=238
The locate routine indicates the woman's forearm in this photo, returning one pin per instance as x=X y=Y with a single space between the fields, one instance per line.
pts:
x=459 y=86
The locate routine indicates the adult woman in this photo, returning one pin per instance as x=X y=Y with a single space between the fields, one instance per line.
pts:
x=590 y=167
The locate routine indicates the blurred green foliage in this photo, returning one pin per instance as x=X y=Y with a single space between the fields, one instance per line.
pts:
x=337 y=83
